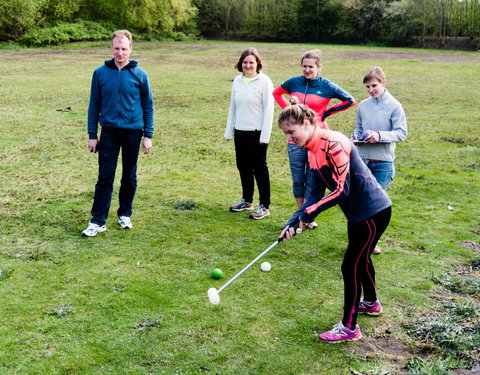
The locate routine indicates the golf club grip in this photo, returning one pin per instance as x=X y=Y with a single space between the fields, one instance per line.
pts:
x=295 y=226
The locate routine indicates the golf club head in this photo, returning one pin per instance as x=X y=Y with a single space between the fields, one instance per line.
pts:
x=213 y=296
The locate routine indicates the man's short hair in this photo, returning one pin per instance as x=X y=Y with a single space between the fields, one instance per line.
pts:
x=122 y=34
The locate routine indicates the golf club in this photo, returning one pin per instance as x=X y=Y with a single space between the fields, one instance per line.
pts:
x=214 y=294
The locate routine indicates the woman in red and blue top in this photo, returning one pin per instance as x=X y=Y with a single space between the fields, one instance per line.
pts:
x=337 y=166
x=316 y=92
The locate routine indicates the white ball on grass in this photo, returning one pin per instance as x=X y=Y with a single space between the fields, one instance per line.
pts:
x=265 y=266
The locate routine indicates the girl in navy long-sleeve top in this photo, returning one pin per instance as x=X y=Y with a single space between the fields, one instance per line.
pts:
x=338 y=167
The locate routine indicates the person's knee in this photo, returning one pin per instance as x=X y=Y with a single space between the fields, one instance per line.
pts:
x=106 y=179
x=298 y=190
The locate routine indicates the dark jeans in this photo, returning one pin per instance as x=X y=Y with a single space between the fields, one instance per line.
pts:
x=357 y=267
x=252 y=165
x=111 y=140
x=301 y=171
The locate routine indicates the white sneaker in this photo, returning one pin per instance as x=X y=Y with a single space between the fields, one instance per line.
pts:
x=124 y=222
x=312 y=225
x=93 y=229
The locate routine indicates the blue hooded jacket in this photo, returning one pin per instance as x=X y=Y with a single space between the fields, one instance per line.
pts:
x=120 y=99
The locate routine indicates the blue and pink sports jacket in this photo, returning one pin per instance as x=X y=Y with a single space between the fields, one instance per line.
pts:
x=338 y=167
x=316 y=94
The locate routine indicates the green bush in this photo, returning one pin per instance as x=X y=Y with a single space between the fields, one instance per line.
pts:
x=419 y=366
x=453 y=328
x=68 y=32
x=476 y=263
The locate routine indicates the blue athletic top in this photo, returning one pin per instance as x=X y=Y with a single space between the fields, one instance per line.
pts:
x=120 y=99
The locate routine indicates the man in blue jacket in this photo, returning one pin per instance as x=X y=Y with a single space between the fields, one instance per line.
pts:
x=121 y=101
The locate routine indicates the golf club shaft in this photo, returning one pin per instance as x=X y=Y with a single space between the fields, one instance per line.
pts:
x=248 y=266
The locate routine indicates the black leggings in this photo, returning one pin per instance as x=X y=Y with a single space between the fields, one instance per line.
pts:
x=252 y=165
x=357 y=267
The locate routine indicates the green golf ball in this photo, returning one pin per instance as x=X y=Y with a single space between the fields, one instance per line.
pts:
x=217 y=273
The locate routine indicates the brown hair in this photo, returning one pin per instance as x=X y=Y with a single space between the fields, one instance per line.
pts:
x=249 y=51
x=315 y=54
x=122 y=34
x=296 y=113
x=375 y=73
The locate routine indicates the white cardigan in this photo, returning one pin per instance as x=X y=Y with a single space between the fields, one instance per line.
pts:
x=251 y=107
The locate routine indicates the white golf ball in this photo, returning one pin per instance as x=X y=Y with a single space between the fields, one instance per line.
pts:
x=265 y=266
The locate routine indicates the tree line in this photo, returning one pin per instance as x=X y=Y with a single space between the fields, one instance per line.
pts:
x=395 y=22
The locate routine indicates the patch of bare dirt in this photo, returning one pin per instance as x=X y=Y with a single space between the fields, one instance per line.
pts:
x=471 y=245
x=473 y=371
x=388 y=348
x=409 y=56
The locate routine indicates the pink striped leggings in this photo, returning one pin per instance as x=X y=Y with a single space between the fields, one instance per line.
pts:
x=357 y=267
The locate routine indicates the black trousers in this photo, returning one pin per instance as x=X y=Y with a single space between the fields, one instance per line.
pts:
x=111 y=141
x=252 y=165
x=357 y=267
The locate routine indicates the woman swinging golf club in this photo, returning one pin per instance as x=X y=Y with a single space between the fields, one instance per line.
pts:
x=338 y=167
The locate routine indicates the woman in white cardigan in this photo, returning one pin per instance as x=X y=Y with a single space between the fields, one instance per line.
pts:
x=250 y=124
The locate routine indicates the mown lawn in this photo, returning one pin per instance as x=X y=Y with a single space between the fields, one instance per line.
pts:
x=134 y=302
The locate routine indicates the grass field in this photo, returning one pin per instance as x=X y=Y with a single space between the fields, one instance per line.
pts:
x=134 y=302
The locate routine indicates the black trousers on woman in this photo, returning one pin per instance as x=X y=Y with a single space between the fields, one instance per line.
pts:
x=252 y=165
x=357 y=267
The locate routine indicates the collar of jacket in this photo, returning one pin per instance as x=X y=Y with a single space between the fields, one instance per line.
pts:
x=111 y=64
x=305 y=79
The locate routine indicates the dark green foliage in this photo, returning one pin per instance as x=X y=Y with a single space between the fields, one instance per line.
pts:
x=213 y=16
x=457 y=285
x=50 y=22
x=311 y=19
x=61 y=10
x=373 y=15
x=68 y=32
x=185 y=205
x=61 y=311
x=273 y=20
x=398 y=26
x=399 y=22
x=476 y=263
x=454 y=329
x=147 y=324
x=419 y=366
x=17 y=17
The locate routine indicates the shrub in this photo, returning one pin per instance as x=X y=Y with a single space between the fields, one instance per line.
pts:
x=68 y=32
x=185 y=205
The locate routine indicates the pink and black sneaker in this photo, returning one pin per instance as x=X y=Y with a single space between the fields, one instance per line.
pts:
x=340 y=333
x=373 y=309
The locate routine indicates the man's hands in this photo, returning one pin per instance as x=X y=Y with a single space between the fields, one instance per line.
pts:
x=93 y=145
x=146 y=145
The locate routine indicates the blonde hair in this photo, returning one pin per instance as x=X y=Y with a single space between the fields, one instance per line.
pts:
x=122 y=34
x=314 y=54
x=296 y=113
x=375 y=73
